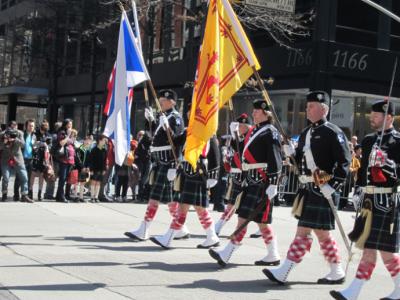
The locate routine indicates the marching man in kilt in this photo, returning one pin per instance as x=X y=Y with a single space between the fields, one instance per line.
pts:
x=377 y=227
x=163 y=168
x=238 y=131
x=323 y=159
x=261 y=165
x=193 y=185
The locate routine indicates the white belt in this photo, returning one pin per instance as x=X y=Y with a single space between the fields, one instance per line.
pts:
x=370 y=189
x=246 y=167
x=158 y=149
x=306 y=179
x=235 y=170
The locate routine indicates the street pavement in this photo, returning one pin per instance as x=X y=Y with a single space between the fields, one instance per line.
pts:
x=78 y=251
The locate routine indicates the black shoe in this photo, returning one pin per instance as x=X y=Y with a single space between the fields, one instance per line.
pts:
x=255 y=236
x=132 y=236
x=39 y=197
x=26 y=198
x=30 y=194
x=62 y=200
x=200 y=246
x=337 y=295
x=70 y=198
x=267 y=263
x=4 y=197
x=16 y=198
x=328 y=281
x=49 y=197
x=185 y=237
x=155 y=241
x=216 y=256
x=272 y=277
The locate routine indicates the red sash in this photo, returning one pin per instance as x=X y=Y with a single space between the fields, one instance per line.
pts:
x=249 y=157
x=236 y=159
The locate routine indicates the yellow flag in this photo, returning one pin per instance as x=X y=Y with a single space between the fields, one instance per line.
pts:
x=226 y=61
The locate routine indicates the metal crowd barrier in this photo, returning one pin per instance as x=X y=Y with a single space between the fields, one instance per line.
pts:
x=289 y=184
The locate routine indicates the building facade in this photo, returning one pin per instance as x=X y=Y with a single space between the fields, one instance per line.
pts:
x=55 y=61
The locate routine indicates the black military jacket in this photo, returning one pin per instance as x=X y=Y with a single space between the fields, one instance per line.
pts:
x=160 y=137
x=265 y=148
x=330 y=150
x=390 y=145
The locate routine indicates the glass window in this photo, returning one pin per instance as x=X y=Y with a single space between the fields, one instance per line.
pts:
x=358 y=28
x=4 y=4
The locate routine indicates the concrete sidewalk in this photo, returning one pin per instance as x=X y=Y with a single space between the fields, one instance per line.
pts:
x=78 y=251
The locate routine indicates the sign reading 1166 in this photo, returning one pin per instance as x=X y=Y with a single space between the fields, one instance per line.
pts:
x=350 y=60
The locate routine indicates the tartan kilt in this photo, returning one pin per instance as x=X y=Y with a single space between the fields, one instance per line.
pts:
x=194 y=192
x=317 y=213
x=233 y=190
x=380 y=237
x=161 y=190
x=250 y=199
x=176 y=196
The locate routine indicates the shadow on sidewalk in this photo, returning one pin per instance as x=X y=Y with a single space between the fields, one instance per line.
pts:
x=253 y=286
x=20 y=236
x=57 y=287
x=89 y=240
x=72 y=264
x=125 y=248
x=189 y=267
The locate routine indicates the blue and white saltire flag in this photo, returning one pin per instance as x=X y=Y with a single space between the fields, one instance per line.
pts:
x=130 y=71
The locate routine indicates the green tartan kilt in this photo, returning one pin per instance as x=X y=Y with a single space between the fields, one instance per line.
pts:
x=251 y=197
x=317 y=213
x=232 y=192
x=380 y=237
x=161 y=189
x=194 y=192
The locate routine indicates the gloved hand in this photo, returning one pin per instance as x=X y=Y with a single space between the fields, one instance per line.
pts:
x=171 y=174
x=327 y=190
x=288 y=149
x=234 y=128
x=164 y=122
x=211 y=183
x=271 y=191
x=148 y=114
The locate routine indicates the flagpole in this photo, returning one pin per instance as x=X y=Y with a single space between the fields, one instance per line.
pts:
x=139 y=43
x=272 y=109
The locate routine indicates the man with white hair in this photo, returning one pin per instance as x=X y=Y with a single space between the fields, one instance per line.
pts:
x=323 y=159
